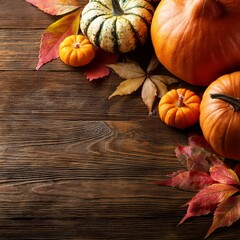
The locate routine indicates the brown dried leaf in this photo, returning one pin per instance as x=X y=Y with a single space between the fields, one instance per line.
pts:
x=161 y=86
x=165 y=79
x=154 y=63
x=127 y=70
x=128 y=86
x=153 y=85
x=149 y=93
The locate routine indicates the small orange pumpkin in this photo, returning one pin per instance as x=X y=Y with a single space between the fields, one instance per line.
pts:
x=76 y=51
x=220 y=115
x=179 y=108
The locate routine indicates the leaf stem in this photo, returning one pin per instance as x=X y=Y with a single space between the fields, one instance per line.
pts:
x=233 y=102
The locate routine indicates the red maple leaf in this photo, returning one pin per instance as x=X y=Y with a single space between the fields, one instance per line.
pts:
x=216 y=183
x=97 y=69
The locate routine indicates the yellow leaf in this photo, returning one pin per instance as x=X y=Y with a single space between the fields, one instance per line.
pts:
x=165 y=79
x=128 y=86
x=161 y=87
x=129 y=70
x=226 y=214
x=153 y=85
x=149 y=93
x=153 y=64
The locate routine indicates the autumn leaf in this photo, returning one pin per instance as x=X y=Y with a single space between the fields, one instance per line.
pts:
x=134 y=74
x=183 y=153
x=226 y=214
x=224 y=175
x=161 y=83
x=128 y=86
x=55 y=34
x=206 y=200
x=193 y=158
x=97 y=67
x=199 y=141
x=214 y=159
x=153 y=86
x=149 y=93
x=216 y=183
x=128 y=70
x=56 y=7
x=194 y=155
x=188 y=180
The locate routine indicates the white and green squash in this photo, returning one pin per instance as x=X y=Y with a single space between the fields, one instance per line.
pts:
x=117 y=25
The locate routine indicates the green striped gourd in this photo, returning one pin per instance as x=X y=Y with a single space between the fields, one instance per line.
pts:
x=117 y=25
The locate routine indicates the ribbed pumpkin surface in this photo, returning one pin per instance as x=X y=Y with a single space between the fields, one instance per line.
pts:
x=115 y=32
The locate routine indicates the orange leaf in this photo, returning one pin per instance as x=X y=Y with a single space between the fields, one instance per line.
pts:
x=226 y=214
x=207 y=199
x=56 y=7
x=55 y=34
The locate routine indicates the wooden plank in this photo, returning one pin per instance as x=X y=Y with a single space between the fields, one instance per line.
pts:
x=21 y=53
x=19 y=14
x=91 y=180
x=65 y=95
x=90 y=176
x=19 y=49
x=75 y=165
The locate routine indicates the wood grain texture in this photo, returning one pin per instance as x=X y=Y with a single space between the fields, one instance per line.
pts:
x=75 y=165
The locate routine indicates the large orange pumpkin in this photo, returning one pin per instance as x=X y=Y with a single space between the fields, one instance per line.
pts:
x=197 y=40
x=220 y=115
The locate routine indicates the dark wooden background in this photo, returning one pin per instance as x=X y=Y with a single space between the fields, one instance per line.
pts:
x=74 y=165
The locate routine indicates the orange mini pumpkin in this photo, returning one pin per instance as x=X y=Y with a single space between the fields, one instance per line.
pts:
x=76 y=51
x=220 y=115
x=179 y=108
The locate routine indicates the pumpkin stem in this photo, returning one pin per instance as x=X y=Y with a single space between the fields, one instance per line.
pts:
x=76 y=45
x=180 y=101
x=117 y=10
x=233 y=102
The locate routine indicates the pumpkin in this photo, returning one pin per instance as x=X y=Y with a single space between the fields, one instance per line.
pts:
x=179 y=108
x=117 y=25
x=197 y=40
x=220 y=115
x=76 y=51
